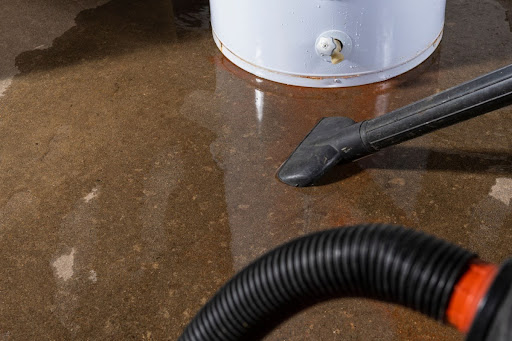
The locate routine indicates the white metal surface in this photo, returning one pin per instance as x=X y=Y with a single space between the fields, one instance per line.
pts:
x=277 y=39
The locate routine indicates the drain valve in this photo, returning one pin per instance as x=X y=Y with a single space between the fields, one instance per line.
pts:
x=333 y=46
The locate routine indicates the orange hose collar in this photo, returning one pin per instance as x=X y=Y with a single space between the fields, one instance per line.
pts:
x=467 y=294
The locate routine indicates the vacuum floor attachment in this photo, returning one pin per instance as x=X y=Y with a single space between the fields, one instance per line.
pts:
x=338 y=140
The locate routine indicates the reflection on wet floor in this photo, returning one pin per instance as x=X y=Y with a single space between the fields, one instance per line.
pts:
x=137 y=173
x=190 y=14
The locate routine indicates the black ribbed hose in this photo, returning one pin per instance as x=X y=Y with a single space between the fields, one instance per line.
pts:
x=383 y=262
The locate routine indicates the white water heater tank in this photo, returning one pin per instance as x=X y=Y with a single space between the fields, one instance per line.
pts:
x=327 y=43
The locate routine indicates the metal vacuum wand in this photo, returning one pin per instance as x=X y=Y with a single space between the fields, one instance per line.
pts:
x=337 y=140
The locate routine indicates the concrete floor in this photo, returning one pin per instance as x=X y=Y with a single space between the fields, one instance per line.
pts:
x=137 y=170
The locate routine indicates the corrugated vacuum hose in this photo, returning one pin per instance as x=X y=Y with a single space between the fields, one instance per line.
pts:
x=382 y=262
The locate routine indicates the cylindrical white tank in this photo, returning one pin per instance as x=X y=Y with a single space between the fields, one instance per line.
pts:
x=327 y=43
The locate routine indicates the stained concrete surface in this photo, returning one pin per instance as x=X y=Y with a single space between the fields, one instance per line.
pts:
x=137 y=170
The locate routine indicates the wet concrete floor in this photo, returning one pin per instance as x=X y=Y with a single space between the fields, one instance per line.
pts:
x=137 y=170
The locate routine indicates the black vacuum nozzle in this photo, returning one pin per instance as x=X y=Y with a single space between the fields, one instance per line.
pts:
x=337 y=140
x=333 y=140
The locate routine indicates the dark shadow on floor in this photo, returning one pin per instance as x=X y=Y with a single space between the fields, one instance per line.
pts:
x=445 y=160
x=118 y=27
